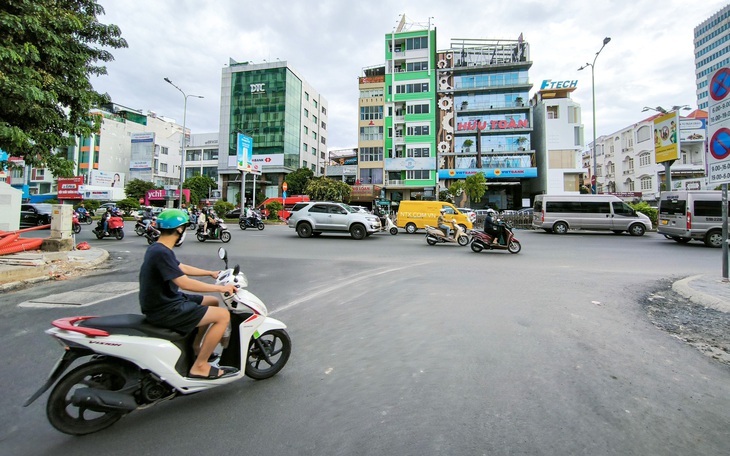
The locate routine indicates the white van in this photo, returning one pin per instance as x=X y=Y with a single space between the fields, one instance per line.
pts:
x=687 y=215
x=560 y=213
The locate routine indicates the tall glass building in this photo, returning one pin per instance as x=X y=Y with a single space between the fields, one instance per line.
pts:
x=285 y=116
x=712 y=51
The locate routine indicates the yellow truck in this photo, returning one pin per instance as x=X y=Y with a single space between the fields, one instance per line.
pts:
x=415 y=215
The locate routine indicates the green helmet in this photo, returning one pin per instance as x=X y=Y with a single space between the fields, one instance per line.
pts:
x=170 y=219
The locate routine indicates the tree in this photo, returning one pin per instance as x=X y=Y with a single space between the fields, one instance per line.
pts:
x=325 y=189
x=48 y=51
x=200 y=187
x=475 y=186
x=128 y=205
x=297 y=181
x=137 y=188
x=456 y=190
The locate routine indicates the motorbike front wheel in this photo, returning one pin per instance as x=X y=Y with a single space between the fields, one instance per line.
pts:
x=394 y=231
x=225 y=236
x=119 y=234
x=260 y=226
x=139 y=230
x=150 y=240
x=514 y=247
x=78 y=420
x=268 y=354
x=76 y=228
x=463 y=240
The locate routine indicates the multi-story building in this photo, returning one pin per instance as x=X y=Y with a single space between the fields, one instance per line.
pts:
x=406 y=165
x=626 y=160
x=484 y=122
x=342 y=165
x=557 y=139
x=286 y=117
x=370 y=160
x=711 y=51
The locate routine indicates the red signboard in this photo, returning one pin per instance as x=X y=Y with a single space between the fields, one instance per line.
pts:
x=68 y=188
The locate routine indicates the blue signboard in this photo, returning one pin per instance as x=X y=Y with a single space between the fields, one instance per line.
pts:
x=244 y=151
x=489 y=173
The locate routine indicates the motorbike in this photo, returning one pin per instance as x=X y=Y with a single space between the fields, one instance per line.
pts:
x=75 y=225
x=140 y=227
x=124 y=363
x=84 y=218
x=220 y=233
x=193 y=221
x=481 y=240
x=152 y=234
x=387 y=225
x=253 y=221
x=115 y=228
x=435 y=235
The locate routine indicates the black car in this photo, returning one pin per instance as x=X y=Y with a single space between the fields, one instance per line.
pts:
x=35 y=215
x=233 y=214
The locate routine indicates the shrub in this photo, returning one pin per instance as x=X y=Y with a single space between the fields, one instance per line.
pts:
x=221 y=207
x=274 y=207
x=647 y=210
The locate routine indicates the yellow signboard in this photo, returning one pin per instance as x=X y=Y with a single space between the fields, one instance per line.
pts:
x=666 y=137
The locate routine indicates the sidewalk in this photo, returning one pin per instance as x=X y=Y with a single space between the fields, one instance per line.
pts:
x=19 y=269
x=705 y=290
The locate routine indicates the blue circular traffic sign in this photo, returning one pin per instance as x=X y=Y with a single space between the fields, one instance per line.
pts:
x=720 y=144
x=720 y=84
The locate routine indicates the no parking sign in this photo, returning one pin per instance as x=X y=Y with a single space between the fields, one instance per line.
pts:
x=718 y=157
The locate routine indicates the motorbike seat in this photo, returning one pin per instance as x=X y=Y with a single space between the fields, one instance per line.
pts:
x=131 y=325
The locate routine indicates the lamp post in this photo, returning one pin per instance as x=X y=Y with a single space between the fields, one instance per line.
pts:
x=182 y=140
x=668 y=163
x=593 y=90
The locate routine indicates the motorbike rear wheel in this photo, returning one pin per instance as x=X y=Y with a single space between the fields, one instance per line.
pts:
x=78 y=420
x=268 y=354
x=242 y=224
x=477 y=246
x=430 y=240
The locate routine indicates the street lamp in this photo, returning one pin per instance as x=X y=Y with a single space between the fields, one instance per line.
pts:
x=593 y=90
x=182 y=140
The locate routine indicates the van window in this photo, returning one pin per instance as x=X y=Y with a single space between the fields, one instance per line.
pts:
x=596 y=207
x=448 y=209
x=538 y=206
x=573 y=207
x=708 y=209
x=672 y=207
x=622 y=209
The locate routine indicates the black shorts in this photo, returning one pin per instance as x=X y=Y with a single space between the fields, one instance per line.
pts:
x=183 y=317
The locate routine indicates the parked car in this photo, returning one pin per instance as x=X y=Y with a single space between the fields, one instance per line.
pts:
x=35 y=214
x=234 y=213
x=315 y=217
x=469 y=213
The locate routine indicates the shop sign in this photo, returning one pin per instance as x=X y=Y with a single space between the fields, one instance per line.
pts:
x=493 y=125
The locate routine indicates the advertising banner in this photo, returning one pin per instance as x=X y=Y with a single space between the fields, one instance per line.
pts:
x=244 y=153
x=410 y=163
x=489 y=173
x=268 y=160
x=106 y=179
x=142 y=156
x=692 y=130
x=69 y=188
x=666 y=139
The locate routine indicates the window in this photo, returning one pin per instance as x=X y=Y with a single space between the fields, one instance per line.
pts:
x=306 y=130
x=211 y=171
x=412 y=88
x=374 y=133
x=164 y=150
x=418 y=130
x=371 y=112
x=418 y=174
x=304 y=164
x=315 y=103
x=623 y=208
x=418 y=152
x=417 y=43
x=645 y=160
x=193 y=155
x=314 y=151
x=306 y=96
x=323 y=140
x=314 y=119
x=163 y=167
x=672 y=207
x=646 y=183
x=304 y=147
x=552 y=112
x=314 y=135
x=417 y=109
x=561 y=159
x=369 y=93
x=417 y=66
x=210 y=154
x=324 y=126
x=369 y=154
x=314 y=168
x=306 y=113
x=324 y=111
x=573 y=114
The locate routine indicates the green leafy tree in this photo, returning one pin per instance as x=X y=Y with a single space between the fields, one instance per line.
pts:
x=274 y=208
x=475 y=186
x=48 y=51
x=325 y=189
x=137 y=188
x=200 y=187
x=221 y=207
x=297 y=181
x=128 y=205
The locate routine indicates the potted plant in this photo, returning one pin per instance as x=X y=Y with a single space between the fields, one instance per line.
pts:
x=521 y=142
x=519 y=101
x=467 y=145
x=464 y=105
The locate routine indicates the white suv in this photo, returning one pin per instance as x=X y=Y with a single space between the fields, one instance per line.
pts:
x=315 y=217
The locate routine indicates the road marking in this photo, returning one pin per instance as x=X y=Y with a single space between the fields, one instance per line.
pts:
x=84 y=296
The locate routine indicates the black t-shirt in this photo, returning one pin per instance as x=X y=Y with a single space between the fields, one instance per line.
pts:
x=158 y=293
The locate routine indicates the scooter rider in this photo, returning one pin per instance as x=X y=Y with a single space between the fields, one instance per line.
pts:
x=493 y=226
x=105 y=220
x=81 y=210
x=442 y=223
x=147 y=216
x=160 y=279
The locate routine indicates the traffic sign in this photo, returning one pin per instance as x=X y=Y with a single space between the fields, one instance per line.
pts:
x=720 y=84
x=284 y=186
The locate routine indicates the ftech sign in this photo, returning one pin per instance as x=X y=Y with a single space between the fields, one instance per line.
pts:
x=258 y=88
x=493 y=125
x=550 y=84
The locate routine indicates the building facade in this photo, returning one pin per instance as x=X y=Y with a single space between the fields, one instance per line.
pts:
x=285 y=116
x=484 y=122
x=712 y=51
x=557 y=140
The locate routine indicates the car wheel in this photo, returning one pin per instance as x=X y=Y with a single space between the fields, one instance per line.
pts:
x=560 y=228
x=358 y=231
x=637 y=229
x=304 y=230
x=411 y=228
x=713 y=238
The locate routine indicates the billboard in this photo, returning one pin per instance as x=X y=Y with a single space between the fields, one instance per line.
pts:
x=106 y=179
x=692 y=130
x=142 y=156
x=244 y=154
x=666 y=137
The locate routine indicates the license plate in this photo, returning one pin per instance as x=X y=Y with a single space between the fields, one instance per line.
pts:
x=665 y=222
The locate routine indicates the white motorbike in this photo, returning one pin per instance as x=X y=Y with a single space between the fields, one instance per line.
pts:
x=388 y=226
x=130 y=364
x=435 y=235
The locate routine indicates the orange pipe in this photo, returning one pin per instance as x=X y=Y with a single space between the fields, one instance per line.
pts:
x=22 y=246
x=9 y=239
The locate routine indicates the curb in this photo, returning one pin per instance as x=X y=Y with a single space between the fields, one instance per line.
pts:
x=683 y=287
x=49 y=271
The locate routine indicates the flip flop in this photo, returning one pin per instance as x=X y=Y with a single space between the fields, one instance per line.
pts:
x=213 y=373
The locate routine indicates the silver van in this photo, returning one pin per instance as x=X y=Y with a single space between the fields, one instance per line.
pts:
x=687 y=215
x=560 y=213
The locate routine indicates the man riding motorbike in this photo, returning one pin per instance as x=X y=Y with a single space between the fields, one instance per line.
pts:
x=493 y=226
x=105 y=220
x=147 y=216
x=81 y=210
x=442 y=223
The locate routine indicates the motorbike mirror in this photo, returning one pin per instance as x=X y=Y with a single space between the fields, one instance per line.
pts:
x=223 y=255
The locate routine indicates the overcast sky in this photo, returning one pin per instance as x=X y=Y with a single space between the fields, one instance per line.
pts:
x=649 y=61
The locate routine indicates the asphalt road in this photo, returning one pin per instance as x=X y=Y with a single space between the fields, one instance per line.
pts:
x=403 y=348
